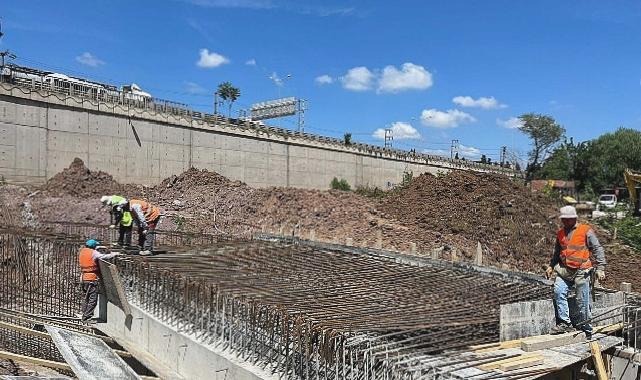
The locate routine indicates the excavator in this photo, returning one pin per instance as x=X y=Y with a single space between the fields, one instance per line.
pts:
x=633 y=183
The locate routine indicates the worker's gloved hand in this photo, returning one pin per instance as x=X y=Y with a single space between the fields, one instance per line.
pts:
x=600 y=274
x=548 y=272
x=112 y=226
x=144 y=232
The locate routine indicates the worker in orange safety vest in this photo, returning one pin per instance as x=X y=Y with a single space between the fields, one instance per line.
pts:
x=88 y=260
x=147 y=217
x=573 y=267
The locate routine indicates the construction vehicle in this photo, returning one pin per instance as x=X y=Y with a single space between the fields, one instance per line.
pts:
x=633 y=183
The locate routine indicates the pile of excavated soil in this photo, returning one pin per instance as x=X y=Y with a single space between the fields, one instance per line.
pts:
x=79 y=181
x=207 y=200
x=515 y=225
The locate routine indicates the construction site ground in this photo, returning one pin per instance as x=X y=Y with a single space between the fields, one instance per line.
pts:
x=454 y=212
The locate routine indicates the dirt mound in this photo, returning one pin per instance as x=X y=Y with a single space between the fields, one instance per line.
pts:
x=517 y=226
x=330 y=214
x=78 y=181
x=205 y=199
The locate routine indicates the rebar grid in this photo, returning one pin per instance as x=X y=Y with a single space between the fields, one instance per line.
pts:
x=632 y=322
x=307 y=313
x=108 y=235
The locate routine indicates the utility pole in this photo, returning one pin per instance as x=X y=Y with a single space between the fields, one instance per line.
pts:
x=388 y=138
x=302 y=107
x=454 y=149
x=216 y=103
x=503 y=155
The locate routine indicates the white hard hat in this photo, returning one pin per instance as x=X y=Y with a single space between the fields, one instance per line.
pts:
x=105 y=199
x=568 y=212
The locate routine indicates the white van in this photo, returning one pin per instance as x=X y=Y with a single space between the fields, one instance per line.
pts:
x=608 y=200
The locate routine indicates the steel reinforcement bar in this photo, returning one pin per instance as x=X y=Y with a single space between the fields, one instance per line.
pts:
x=308 y=313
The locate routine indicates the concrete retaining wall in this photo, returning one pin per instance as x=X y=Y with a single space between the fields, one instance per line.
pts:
x=41 y=133
x=174 y=354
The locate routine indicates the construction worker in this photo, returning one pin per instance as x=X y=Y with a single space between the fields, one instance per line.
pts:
x=571 y=262
x=120 y=217
x=147 y=217
x=88 y=260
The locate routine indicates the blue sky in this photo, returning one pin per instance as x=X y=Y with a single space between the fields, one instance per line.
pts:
x=432 y=71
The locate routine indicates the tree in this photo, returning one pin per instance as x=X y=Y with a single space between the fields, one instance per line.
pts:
x=595 y=164
x=483 y=159
x=544 y=132
x=456 y=156
x=228 y=93
x=347 y=138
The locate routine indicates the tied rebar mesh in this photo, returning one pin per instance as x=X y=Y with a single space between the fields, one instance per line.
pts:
x=318 y=314
x=632 y=322
x=40 y=277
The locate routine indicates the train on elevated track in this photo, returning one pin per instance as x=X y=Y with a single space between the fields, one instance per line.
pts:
x=73 y=85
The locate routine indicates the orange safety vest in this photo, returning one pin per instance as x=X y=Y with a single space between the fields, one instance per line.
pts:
x=151 y=212
x=574 y=251
x=88 y=266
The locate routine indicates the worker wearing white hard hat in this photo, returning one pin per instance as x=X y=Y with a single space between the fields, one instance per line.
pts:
x=119 y=216
x=575 y=242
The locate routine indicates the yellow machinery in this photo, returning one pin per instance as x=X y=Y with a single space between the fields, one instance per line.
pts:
x=633 y=183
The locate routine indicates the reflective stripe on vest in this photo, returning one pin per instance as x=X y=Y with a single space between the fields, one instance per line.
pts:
x=574 y=251
x=88 y=266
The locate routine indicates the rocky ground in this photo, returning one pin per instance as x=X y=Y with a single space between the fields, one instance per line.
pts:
x=515 y=227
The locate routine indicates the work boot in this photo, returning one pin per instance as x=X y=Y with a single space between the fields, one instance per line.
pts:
x=561 y=328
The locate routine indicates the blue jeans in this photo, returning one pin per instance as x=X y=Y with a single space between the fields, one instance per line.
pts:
x=581 y=284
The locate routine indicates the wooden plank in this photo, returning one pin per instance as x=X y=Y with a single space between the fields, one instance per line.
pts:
x=36 y=361
x=544 y=342
x=598 y=361
x=490 y=347
x=525 y=363
x=609 y=328
x=24 y=330
x=112 y=286
x=42 y=334
x=498 y=363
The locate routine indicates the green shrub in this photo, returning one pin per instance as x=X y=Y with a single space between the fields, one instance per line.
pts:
x=370 y=192
x=341 y=184
x=628 y=229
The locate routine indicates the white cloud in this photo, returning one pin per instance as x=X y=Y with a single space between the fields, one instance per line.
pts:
x=250 y=4
x=89 y=59
x=250 y=62
x=324 y=79
x=482 y=102
x=511 y=123
x=469 y=152
x=437 y=152
x=278 y=81
x=400 y=131
x=194 y=88
x=445 y=119
x=409 y=77
x=358 y=79
x=210 y=60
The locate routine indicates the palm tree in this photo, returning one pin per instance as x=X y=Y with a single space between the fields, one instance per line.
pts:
x=228 y=93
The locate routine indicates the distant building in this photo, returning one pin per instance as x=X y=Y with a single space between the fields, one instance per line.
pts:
x=563 y=187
